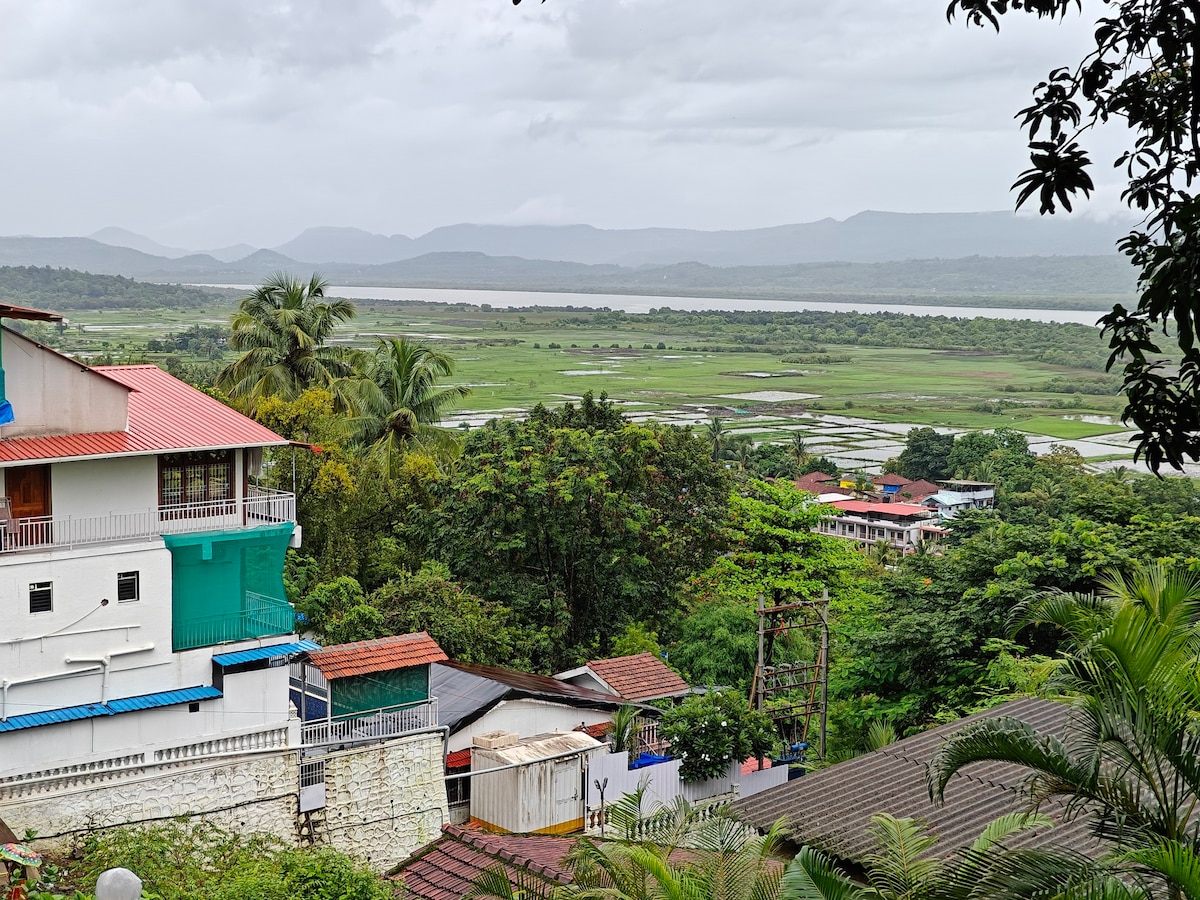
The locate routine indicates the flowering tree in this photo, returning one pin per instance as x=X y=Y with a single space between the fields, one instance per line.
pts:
x=709 y=731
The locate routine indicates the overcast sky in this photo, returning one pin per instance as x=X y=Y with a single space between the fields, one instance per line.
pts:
x=203 y=124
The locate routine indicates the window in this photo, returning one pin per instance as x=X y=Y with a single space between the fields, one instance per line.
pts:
x=41 y=597
x=196 y=479
x=128 y=587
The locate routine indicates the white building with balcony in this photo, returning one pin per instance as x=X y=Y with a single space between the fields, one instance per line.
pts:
x=902 y=526
x=141 y=564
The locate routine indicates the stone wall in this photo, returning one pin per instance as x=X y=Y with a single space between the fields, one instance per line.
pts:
x=383 y=801
x=386 y=801
x=248 y=793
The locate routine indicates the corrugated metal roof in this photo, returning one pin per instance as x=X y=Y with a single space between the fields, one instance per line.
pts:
x=54 y=716
x=8 y=311
x=241 y=656
x=885 y=509
x=831 y=808
x=401 y=651
x=163 y=698
x=165 y=415
x=111 y=708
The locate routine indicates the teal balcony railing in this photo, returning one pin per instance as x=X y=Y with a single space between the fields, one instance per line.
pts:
x=261 y=616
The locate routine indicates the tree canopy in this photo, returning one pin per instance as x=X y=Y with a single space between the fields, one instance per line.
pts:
x=1142 y=72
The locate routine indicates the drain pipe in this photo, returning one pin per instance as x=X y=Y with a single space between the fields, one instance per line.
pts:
x=10 y=682
x=105 y=662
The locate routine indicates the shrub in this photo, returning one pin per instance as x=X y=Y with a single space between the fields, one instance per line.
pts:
x=709 y=731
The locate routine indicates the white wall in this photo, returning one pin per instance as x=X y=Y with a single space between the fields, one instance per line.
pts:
x=253 y=702
x=51 y=394
x=37 y=645
x=527 y=718
x=98 y=487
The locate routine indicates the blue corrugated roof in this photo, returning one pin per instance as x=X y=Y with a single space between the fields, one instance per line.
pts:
x=112 y=708
x=242 y=656
x=163 y=698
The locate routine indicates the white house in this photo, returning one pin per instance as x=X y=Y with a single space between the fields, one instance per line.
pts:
x=140 y=567
x=957 y=496
x=901 y=525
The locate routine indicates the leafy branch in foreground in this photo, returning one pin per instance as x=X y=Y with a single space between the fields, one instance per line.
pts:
x=1143 y=71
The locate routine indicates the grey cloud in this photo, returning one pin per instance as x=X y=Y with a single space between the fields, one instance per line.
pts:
x=220 y=121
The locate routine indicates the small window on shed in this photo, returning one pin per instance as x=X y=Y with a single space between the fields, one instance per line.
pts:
x=41 y=597
x=128 y=587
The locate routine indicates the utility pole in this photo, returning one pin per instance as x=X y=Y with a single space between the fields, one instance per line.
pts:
x=799 y=687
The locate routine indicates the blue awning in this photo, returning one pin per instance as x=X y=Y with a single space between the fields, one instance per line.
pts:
x=244 y=656
x=111 y=708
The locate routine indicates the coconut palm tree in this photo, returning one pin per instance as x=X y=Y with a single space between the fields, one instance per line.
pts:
x=798 y=447
x=674 y=854
x=282 y=329
x=714 y=433
x=1131 y=754
x=397 y=400
x=904 y=868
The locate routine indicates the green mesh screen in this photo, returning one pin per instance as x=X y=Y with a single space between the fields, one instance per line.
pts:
x=361 y=693
x=228 y=586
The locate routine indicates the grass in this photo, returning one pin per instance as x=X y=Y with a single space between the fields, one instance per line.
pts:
x=498 y=359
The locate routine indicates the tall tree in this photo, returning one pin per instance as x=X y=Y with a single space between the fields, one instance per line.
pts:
x=397 y=400
x=282 y=329
x=1142 y=72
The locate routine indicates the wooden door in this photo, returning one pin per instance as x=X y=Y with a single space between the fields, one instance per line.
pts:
x=28 y=490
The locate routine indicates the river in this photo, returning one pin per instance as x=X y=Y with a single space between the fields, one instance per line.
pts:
x=634 y=303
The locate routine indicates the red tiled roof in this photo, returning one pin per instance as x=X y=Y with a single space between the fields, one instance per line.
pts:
x=459 y=759
x=599 y=731
x=919 y=489
x=402 y=651
x=886 y=509
x=640 y=677
x=891 y=478
x=813 y=481
x=447 y=868
x=165 y=415
x=751 y=765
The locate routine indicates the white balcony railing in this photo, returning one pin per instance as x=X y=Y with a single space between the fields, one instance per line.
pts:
x=375 y=725
x=261 y=506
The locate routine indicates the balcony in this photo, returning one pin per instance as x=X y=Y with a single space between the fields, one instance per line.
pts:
x=261 y=506
x=368 y=727
x=261 y=616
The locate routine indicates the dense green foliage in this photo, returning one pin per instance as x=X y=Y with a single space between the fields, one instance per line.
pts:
x=63 y=289
x=578 y=531
x=204 y=862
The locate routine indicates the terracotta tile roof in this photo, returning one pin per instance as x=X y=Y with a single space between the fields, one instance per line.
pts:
x=401 y=651
x=165 y=415
x=814 y=482
x=892 y=479
x=599 y=731
x=919 y=490
x=831 y=808
x=640 y=677
x=447 y=868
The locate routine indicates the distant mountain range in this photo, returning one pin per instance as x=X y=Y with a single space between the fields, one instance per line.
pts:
x=870 y=253
x=866 y=237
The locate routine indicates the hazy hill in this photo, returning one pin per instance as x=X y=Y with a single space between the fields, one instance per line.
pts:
x=121 y=237
x=866 y=237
